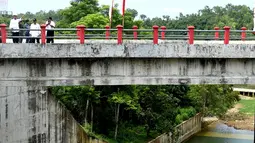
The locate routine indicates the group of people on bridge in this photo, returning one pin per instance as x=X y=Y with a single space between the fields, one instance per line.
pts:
x=31 y=31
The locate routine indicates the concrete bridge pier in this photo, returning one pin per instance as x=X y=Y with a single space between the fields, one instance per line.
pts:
x=29 y=114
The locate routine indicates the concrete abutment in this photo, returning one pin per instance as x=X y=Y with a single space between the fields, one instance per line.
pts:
x=30 y=114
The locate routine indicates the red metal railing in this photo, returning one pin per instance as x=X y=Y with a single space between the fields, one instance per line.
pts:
x=190 y=34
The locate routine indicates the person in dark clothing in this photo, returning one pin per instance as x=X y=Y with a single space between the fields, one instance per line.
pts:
x=27 y=27
x=21 y=32
x=50 y=25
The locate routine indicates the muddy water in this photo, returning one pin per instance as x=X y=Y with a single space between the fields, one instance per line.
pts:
x=221 y=133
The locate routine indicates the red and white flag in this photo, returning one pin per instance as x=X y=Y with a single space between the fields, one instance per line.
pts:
x=123 y=7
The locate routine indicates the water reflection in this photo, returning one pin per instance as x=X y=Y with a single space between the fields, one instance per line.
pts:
x=221 y=133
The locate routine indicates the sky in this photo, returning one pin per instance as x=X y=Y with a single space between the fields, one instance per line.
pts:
x=151 y=8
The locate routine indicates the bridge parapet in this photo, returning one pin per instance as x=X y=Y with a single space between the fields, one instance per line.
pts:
x=131 y=49
x=156 y=33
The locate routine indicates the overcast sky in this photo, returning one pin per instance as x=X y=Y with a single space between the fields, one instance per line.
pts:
x=151 y=8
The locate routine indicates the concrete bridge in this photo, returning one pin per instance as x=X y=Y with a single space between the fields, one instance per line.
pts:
x=106 y=63
x=29 y=113
x=245 y=92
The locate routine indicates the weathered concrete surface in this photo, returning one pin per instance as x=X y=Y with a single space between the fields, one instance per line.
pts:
x=118 y=71
x=128 y=50
x=32 y=115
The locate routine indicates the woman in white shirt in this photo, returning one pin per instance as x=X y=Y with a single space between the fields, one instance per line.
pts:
x=35 y=32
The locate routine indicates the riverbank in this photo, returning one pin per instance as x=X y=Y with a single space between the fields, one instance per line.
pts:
x=242 y=115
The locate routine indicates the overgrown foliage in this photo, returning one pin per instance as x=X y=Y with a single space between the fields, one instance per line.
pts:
x=143 y=111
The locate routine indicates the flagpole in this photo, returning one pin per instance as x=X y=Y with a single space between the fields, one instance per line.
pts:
x=123 y=12
x=123 y=20
x=110 y=13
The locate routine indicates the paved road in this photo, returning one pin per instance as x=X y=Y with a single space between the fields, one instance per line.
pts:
x=145 y=41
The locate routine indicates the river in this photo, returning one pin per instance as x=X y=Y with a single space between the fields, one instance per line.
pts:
x=221 y=133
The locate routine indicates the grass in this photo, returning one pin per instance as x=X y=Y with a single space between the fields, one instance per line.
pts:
x=248 y=106
x=244 y=86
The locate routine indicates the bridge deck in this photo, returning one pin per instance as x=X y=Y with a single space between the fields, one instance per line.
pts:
x=147 y=41
x=130 y=49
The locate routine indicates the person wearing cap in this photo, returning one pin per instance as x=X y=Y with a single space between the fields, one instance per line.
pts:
x=14 y=26
x=27 y=32
x=50 y=25
x=21 y=32
x=35 y=31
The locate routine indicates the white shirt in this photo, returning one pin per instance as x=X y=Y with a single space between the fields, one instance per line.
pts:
x=35 y=33
x=14 y=24
x=49 y=26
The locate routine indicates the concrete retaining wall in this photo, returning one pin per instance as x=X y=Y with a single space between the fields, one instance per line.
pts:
x=32 y=115
x=181 y=132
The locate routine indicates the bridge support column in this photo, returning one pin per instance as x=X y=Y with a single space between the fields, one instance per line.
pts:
x=30 y=114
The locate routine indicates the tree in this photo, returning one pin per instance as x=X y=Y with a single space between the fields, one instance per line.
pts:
x=79 y=9
x=96 y=20
x=129 y=98
x=133 y=12
x=212 y=99
x=157 y=108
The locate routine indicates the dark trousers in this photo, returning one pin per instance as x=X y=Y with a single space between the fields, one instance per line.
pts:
x=27 y=38
x=21 y=39
x=50 y=33
x=32 y=40
x=15 y=40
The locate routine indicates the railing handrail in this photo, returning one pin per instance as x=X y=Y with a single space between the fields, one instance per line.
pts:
x=157 y=32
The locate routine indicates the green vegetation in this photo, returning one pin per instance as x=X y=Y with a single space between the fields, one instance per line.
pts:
x=140 y=113
x=248 y=106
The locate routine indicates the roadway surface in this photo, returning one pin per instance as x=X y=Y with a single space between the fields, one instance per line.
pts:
x=144 y=41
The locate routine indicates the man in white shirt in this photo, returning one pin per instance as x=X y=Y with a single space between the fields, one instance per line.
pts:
x=35 y=31
x=50 y=25
x=14 y=26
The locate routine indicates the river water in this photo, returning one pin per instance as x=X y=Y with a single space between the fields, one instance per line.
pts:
x=221 y=133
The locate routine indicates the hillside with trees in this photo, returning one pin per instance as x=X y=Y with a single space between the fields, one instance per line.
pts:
x=139 y=113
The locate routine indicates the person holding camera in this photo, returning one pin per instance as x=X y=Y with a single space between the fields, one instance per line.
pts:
x=50 y=25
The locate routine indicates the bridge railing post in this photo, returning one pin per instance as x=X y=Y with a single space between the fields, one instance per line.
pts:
x=243 y=34
x=191 y=34
x=135 y=32
x=3 y=32
x=43 y=34
x=163 y=30
x=216 y=35
x=120 y=29
x=155 y=34
x=107 y=32
x=226 y=34
x=81 y=33
x=78 y=32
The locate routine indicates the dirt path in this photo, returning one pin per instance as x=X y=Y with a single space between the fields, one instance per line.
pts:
x=246 y=124
x=235 y=109
x=239 y=120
